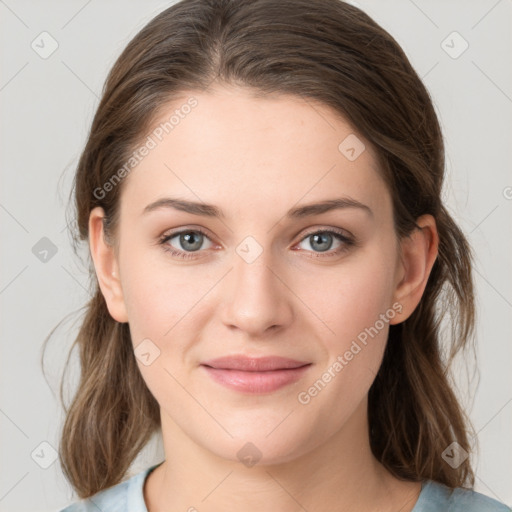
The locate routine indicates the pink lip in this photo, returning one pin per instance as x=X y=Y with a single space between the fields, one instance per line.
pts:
x=255 y=375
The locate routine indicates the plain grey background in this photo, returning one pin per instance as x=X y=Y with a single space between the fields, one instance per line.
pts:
x=47 y=104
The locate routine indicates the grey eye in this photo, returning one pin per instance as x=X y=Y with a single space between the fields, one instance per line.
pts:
x=188 y=241
x=321 y=241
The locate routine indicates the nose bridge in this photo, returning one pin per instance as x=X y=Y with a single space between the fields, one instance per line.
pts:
x=256 y=299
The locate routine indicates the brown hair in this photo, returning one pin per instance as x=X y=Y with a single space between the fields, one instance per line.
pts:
x=327 y=51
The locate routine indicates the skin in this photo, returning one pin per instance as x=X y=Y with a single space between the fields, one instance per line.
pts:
x=256 y=158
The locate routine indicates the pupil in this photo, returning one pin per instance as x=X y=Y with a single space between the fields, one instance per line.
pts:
x=322 y=238
x=187 y=241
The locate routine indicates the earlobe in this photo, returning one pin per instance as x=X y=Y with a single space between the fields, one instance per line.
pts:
x=418 y=255
x=106 y=266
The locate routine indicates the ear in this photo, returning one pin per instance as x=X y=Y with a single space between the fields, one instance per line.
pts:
x=418 y=253
x=107 y=269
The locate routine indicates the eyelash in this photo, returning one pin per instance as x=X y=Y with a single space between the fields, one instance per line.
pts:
x=347 y=243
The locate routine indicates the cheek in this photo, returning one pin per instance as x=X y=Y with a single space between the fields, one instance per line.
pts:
x=354 y=301
x=160 y=294
x=353 y=353
x=166 y=305
x=349 y=298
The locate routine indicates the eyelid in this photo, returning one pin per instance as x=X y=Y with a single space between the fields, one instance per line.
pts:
x=185 y=229
x=310 y=231
x=327 y=229
x=343 y=236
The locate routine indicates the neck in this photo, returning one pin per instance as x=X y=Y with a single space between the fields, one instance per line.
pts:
x=340 y=474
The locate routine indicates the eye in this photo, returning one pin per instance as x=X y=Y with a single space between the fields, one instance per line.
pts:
x=320 y=244
x=183 y=242
x=329 y=242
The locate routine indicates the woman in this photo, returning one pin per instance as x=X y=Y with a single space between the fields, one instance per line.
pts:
x=261 y=195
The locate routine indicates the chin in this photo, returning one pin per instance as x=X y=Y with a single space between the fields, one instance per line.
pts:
x=252 y=446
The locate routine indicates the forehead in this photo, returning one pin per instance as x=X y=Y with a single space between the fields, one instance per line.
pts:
x=229 y=147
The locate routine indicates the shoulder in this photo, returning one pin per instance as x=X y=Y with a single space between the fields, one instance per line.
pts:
x=435 y=497
x=113 y=499
x=117 y=497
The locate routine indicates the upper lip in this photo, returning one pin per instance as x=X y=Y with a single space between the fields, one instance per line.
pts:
x=254 y=364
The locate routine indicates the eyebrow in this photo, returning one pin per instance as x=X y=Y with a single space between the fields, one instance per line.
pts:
x=209 y=210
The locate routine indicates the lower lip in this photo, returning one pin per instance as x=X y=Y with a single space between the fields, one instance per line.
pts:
x=256 y=382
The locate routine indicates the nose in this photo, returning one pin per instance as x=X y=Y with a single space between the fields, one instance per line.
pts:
x=255 y=299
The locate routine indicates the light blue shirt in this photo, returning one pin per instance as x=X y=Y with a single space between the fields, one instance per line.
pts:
x=128 y=496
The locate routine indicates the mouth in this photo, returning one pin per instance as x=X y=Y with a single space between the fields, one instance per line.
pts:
x=255 y=375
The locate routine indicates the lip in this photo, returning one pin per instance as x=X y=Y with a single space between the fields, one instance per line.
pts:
x=255 y=375
x=254 y=364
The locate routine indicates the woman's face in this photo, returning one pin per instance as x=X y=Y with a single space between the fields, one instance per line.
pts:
x=259 y=273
